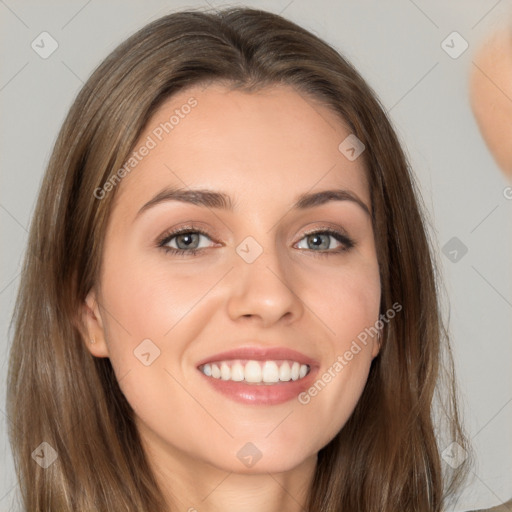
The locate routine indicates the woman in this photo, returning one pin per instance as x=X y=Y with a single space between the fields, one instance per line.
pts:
x=229 y=301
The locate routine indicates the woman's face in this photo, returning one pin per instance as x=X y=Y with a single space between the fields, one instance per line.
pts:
x=284 y=279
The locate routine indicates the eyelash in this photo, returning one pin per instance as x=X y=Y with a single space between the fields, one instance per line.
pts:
x=167 y=237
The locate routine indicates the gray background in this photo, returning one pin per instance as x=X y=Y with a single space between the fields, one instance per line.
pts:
x=396 y=45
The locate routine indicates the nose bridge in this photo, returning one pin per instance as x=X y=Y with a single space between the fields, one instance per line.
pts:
x=263 y=286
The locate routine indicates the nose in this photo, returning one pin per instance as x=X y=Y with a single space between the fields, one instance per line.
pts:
x=264 y=291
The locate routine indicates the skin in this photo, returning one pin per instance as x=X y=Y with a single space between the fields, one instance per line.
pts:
x=264 y=149
x=491 y=101
x=491 y=95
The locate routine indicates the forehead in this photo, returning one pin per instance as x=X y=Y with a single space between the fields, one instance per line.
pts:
x=271 y=145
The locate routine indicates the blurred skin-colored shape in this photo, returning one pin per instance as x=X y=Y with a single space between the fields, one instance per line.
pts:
x=491 y=95
x=491 y=101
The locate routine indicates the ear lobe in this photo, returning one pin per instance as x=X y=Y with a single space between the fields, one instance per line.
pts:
x=93 y=331
x=377 y=344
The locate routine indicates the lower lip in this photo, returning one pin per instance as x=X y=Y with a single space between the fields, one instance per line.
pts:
x=261 y=394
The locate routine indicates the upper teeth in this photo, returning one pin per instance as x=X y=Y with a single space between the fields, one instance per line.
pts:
x=256 y=371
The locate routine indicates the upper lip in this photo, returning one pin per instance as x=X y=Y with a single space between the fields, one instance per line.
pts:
x=261 y=354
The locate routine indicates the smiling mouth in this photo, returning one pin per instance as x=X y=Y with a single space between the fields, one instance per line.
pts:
x=256 y=372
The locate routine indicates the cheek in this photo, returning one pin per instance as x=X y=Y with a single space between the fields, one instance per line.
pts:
x=348 y=303
x=346 y=299
x=147 y=334
x=148 y=298
x=155 y=309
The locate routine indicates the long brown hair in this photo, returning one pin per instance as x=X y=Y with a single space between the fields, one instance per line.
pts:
x=386 y=458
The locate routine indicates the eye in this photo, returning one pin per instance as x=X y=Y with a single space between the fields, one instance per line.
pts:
x=322 y=241
x=184 y=241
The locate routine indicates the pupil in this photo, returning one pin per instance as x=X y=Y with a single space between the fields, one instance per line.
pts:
x=188 y=239
x=318 y=242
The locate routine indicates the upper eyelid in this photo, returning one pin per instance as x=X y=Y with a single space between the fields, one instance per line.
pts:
x=325 y=229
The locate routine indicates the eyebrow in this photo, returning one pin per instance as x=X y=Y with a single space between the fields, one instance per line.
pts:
x=220 y=200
